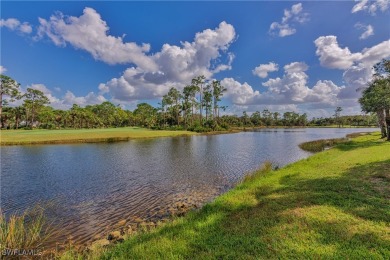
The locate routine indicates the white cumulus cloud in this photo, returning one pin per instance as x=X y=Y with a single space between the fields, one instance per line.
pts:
x=357 y=66
x=371 y=6
x=177 y=65
x=90 y=33
x=239 y=94
x=290 y=90
x=332 y=55
x=149 y=75
x=68 y=99
x=263 y=69
x=15 y=25
x=291 y=17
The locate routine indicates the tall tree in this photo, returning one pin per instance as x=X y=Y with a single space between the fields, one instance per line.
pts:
x=175 y=97
x=267 y=117
x=376 y=98
x=337 y=114
x=256 y=118
x=187 y=104
x=146 y=115
x=189 y=93
x=46 y=117
x=198 y=84
x=10 y=88
x=19 y=111
x=34 y=100
x=106 y=112
x=218 y=91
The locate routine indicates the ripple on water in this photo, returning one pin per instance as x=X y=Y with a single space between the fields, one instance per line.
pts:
x=94 y=186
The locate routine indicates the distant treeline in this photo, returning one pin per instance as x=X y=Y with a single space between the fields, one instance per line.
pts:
x=196 y=108
x=107 y=114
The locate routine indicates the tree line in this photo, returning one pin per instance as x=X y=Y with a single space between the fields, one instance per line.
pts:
x=196 y=108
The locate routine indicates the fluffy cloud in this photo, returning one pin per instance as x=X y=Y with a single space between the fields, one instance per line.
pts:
x=151 y=75
x=15 y=25
x=370 y=56
x=290 y=18
x=368 y=30
x=332 y=55
x=371 y=6
x=177 y=65
x=90 y=33
x=290 y=90
x=325 y=92
x=263 y=69
x=288 y=93
x=292 y=87
x=2 y=69
x=357 y=66
x=68 y=99
x=355 y=78
x=239 y=94
x=90 y=99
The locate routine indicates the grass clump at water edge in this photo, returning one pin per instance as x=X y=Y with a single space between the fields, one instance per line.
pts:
x=265 y=168
x=321 y=145
x=27 y=231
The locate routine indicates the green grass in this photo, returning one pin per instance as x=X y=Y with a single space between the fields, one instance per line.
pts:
x=14 y=137
x=333 y=205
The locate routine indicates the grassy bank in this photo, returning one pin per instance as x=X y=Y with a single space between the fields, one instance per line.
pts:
x=16 y=137
x=335 y=204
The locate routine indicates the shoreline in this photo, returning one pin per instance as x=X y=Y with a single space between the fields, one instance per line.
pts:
x=79 y=136
x=111 y=135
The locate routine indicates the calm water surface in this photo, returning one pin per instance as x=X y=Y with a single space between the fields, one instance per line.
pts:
x=91 y=187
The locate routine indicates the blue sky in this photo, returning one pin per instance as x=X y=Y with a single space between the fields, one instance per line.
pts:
x=306 y=56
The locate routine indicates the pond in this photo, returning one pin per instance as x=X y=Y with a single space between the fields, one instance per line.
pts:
x=89 y=188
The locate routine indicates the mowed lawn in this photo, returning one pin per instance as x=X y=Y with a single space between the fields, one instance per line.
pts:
x=12 y=137
x=333 y=205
